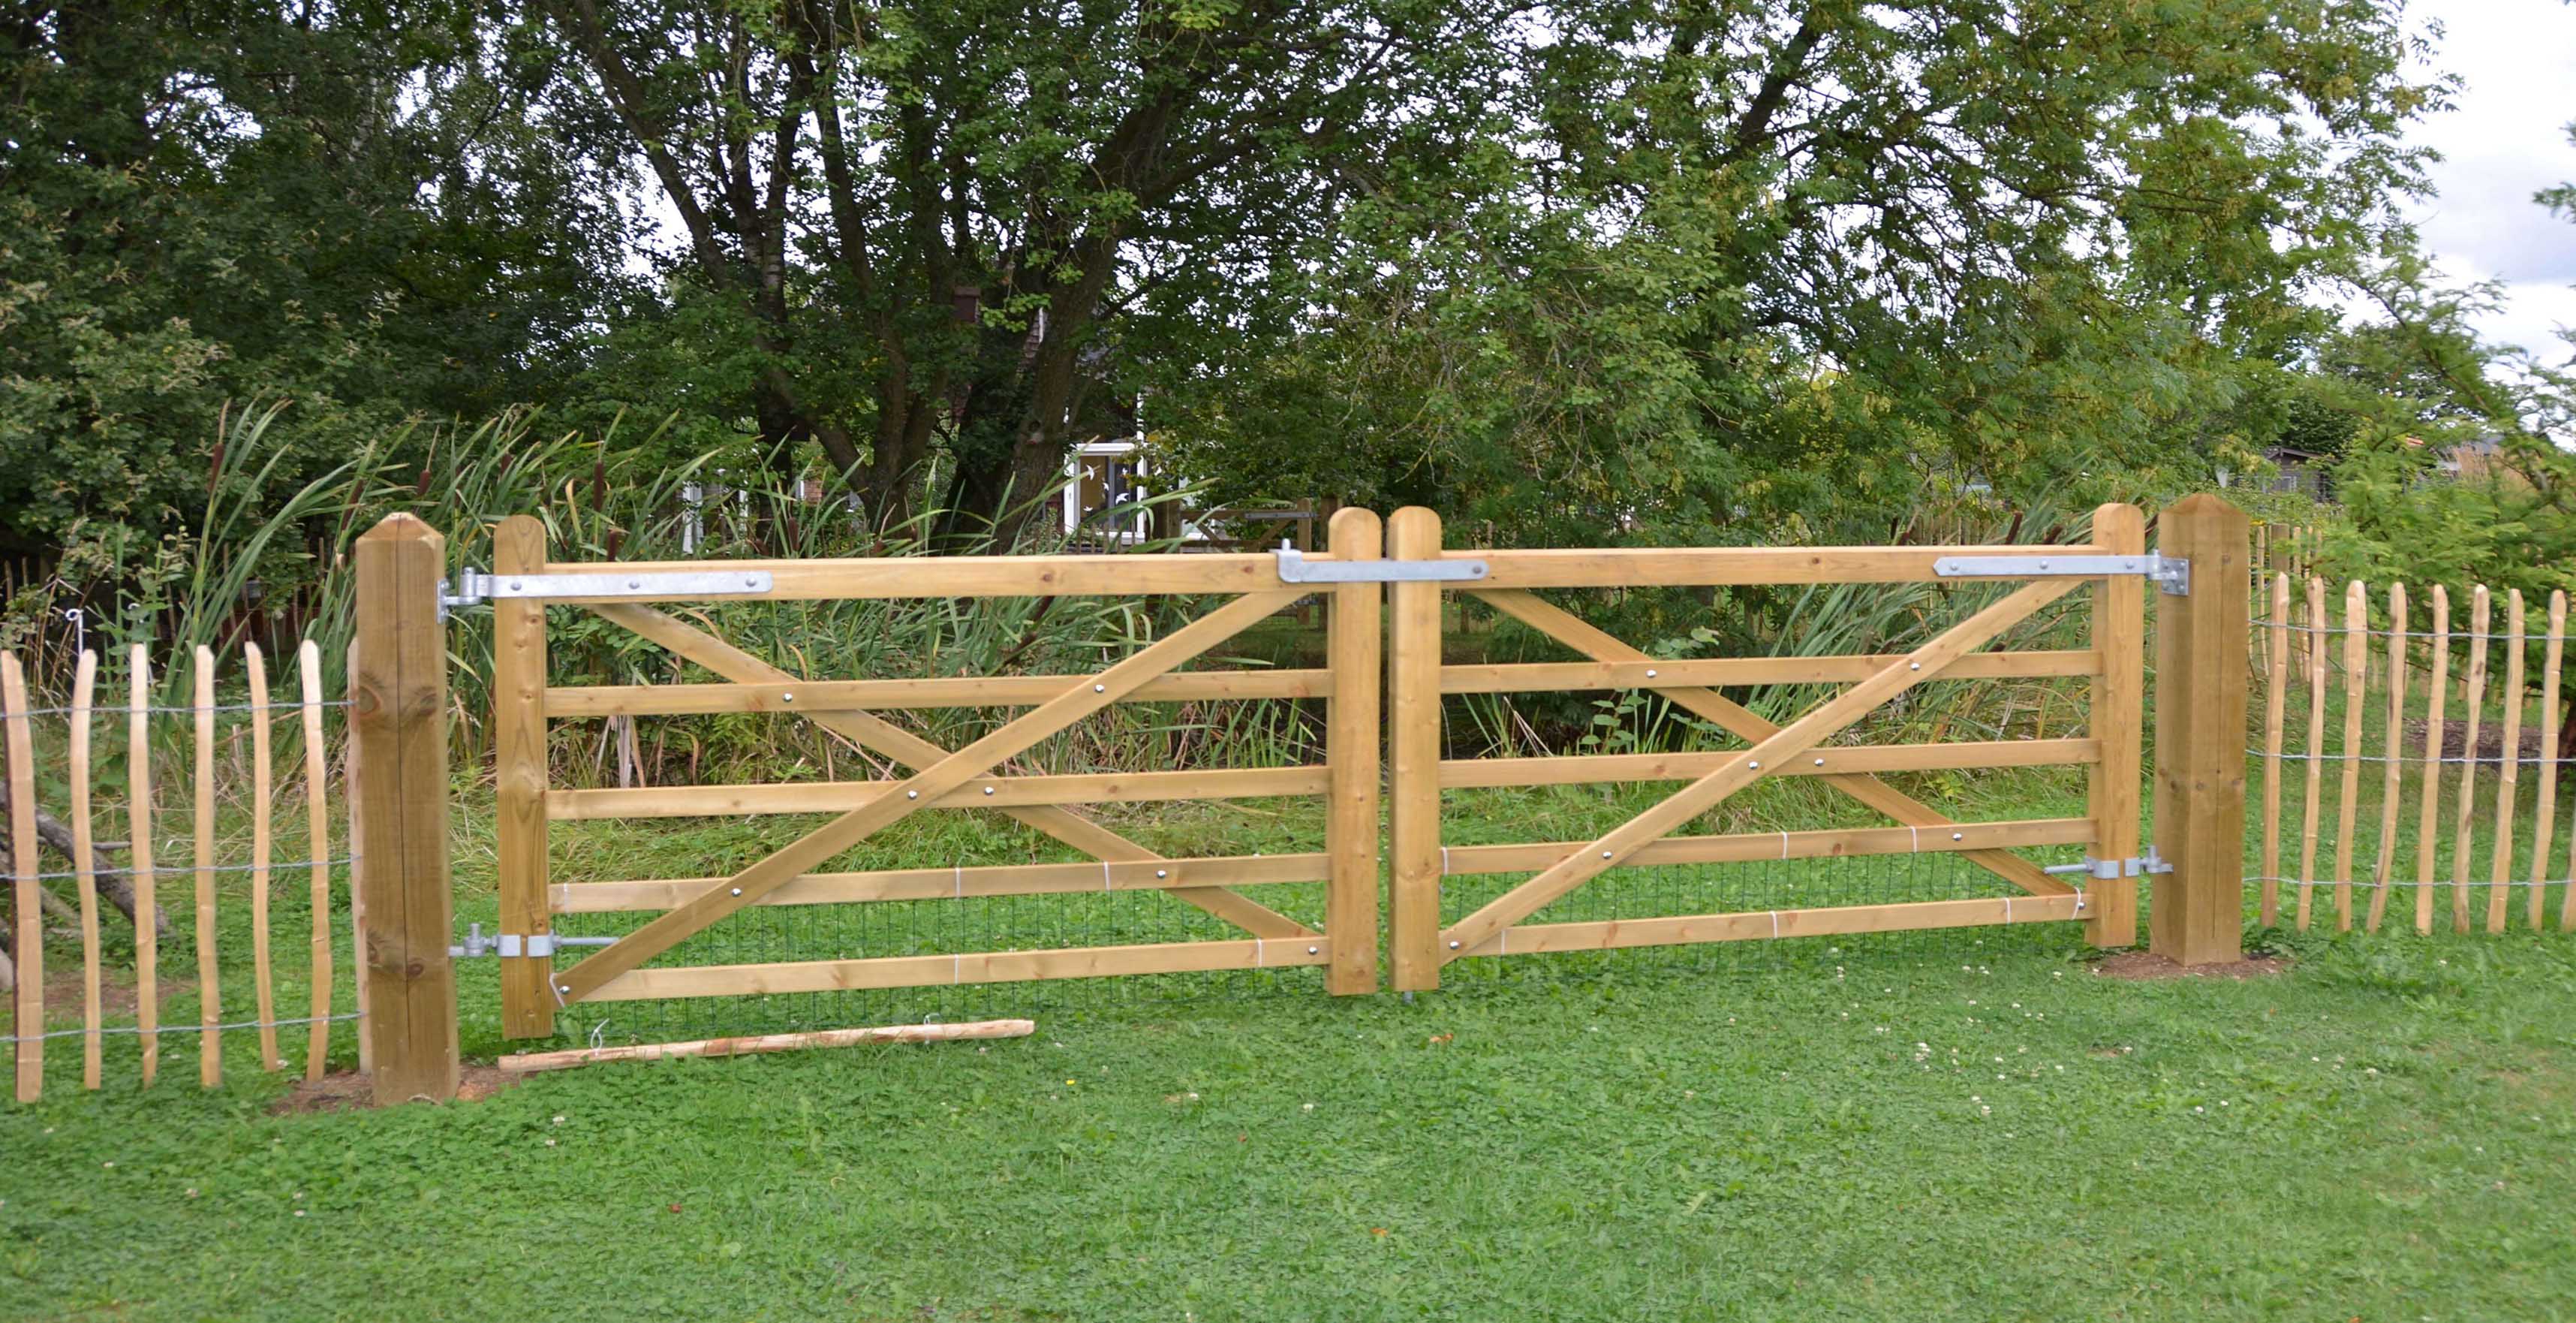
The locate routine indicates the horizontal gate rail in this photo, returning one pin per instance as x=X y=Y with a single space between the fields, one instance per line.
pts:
x=951 y=691
x=972 y=967
x=1521 y=677
x=961 y=882
x=1836 y=760
x=694 y=801
x=1763 y=925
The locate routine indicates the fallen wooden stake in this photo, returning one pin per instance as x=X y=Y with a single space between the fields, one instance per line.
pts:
x=729 y=1047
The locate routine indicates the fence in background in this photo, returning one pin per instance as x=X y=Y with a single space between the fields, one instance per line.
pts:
x=2421 y=725
x=111 y=848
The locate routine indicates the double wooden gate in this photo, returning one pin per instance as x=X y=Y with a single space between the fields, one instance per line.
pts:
x=539 y=977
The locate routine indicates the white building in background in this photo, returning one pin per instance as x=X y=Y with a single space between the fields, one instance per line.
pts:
x=1098 y=476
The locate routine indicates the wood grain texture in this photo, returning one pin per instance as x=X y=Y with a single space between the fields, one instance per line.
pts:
x=2427 y=837
x=2545 y=816
x=398 y=714
x=262 y=855
x=1353 y=727
x=317 y=847
x=1413 y=751
x=519 y=776
x=2198 y=911
x=2393 y=750
x=2276 y=685
x=85 y=867
x=2318 y=667
x=526 y=1062
x=2356 y=684
x=2474 y=698
x=2114 y=788
x=27 y=1018
x=138 y=831
x=2509 y=768
x=210 y=1008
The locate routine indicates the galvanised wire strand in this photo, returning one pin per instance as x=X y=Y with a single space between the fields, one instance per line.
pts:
x=122 y=709
x=158 y=1030
x=183 y=870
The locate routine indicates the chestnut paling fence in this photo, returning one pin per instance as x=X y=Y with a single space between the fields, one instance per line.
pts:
x=187 y=862
x=2409 y=757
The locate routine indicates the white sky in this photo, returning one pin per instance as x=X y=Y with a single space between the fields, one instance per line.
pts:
x=2506 y=138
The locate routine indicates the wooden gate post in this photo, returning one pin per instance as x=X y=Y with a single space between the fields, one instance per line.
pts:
x=2199 y=911
x=398 y=714
x=2119 y=704
x=519 y=777
x=1413 y=749
x=1351 y=753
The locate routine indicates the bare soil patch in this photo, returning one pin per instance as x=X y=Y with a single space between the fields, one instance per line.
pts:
x=2144 y=966
x=349 y=1090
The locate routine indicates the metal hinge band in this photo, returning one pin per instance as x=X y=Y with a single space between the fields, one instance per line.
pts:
x=2170 y=574
x=473 y=587
x=1295 y=568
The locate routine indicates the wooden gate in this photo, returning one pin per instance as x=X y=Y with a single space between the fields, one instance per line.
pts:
x=2113 y=664
x=538 y=977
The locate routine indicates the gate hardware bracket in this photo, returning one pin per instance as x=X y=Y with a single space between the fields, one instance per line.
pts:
x=2112 y=870
x=512 y=946
x=474 y=587
x=1295 y=568
x=2170 y=574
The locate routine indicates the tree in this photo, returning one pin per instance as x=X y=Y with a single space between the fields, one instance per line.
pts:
x=354 y=206
x=1751 y=270
x=925 y=221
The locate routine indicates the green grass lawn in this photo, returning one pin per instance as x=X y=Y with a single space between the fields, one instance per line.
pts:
x=1900 y=1132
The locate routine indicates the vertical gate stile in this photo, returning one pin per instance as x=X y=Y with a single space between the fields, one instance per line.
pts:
x=2119 y=698
x=398 y=716
x=520 y=773
x=1351 y=752
x=1413 y=740
x=2198 y=911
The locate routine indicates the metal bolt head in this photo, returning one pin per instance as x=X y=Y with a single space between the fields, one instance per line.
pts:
x=1100 y=689
x=1820 y=762
x=1958 y=836
x=1605 y=854
x=1650 y=672
x=1755 y=765
x=1914 y=666
x=563 y=988
x=988 y=790
x=635 y=583
x=515 y=585
x=1453 y=946
x=1162 y=872
x=912 y=794
x=737 y=891
x=1314 y=950
x=787 y=698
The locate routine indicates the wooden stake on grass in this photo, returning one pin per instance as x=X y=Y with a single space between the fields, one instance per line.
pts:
x=2481 y=615
x=2427 y=826
x=2509 y=777
x=2276 y=686
x=27 y=1022
x=2316 y=744
x=2390 y=790
x=2545 y=821
x=85 y=866
x=147 y=882
x=2356 y=680
x=317 y=844
x=263 y=796
x=527 y=1062
x=210 y=1045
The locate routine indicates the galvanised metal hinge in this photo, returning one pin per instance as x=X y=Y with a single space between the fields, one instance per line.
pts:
x=513 y=946
x=2112 y=870
x=1295 y=568
x=2170 y=574
x=473 y=587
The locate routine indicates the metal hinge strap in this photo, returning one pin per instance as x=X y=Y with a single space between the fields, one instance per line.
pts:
x=2170 y=574
x=515 y=946
x=473 y=587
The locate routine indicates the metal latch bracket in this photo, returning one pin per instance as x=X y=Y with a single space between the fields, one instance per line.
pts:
x=2112 y=870
x=1295 y=568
